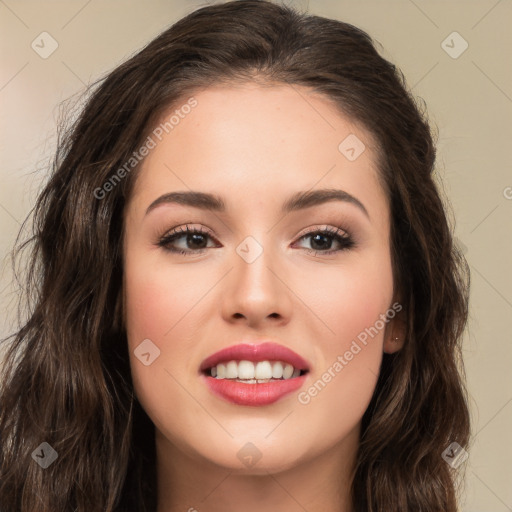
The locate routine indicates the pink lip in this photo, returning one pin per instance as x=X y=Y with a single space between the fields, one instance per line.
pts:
x=260 y=394
x=257 y=394
x=267 y=351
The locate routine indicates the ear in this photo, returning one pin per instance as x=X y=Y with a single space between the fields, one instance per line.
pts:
x=394 y=335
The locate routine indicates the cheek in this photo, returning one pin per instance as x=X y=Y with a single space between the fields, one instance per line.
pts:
x=350 y=303
x=156 y=309
x=158 y=297
x=350 y=299
x=150 y=305
x=162 y=305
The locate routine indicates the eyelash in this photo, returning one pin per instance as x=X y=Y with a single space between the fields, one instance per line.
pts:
x=338 y=234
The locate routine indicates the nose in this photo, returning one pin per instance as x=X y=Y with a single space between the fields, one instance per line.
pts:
x=256 y=292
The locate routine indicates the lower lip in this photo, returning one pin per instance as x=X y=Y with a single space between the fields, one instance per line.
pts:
x=258 y=394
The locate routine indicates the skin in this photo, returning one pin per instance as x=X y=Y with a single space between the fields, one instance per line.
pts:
x=192 y=306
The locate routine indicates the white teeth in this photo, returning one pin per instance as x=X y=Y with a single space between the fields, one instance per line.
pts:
x=245 y=370
x=231 y=370
x=277 y=370
x=287 y=371
x=263 y=370
x=249 y=372
x=221 y=371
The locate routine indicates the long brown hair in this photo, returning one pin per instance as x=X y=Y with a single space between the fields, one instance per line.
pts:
x=67 y=379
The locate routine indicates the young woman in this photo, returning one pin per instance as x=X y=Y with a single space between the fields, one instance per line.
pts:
x=245 y=292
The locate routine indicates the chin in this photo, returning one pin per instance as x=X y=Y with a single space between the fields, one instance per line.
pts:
x=249 y=460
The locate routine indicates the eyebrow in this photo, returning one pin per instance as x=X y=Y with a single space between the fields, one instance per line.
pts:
x=298 y=201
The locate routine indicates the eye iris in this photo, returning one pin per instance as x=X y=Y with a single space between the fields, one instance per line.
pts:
x=197 y=239
x=314 y=240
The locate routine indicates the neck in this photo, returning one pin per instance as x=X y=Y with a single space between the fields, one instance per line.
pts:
x=188 y=482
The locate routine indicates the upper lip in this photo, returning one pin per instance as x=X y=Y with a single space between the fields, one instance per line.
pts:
x=266 y=351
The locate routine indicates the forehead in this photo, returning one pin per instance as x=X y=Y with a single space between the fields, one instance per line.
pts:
x=259 y=142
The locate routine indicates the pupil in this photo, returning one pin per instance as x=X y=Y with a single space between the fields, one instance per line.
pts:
x=315 y=241
x=197 y=238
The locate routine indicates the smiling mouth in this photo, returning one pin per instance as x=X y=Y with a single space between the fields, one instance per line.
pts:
x=250 y=372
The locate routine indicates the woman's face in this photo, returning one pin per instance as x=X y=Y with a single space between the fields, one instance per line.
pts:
x=261 y=269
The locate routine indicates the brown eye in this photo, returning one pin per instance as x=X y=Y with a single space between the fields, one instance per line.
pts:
x=322 y=241
x=195 y=240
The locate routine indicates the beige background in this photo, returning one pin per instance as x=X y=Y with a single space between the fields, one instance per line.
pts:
x=469 y=99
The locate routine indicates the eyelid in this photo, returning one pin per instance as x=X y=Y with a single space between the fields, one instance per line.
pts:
x=340 y=234
x=325 y=227
x=187 y=227
x=184 y=228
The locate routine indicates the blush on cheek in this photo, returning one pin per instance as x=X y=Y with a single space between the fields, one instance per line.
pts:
x=357 y=309
x=153 y=304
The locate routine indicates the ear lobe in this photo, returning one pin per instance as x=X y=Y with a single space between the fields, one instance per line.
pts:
x=393 y=344
x=394 y=337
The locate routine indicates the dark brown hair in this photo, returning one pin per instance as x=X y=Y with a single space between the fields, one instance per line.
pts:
x=67 y=378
